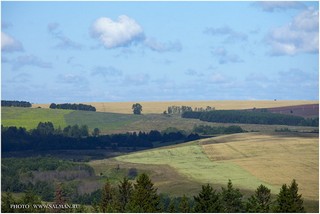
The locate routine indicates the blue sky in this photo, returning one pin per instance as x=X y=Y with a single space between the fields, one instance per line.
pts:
x=159 y=51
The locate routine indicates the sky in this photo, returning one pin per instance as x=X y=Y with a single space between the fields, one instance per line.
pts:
x=159 y=51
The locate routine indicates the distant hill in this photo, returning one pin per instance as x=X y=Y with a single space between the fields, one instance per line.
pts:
x=159 y=107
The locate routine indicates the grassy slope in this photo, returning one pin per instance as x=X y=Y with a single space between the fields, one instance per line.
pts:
x=159 y=107
x=29 y=117
x=191 y=161
x=247 y=159
x=114 y=122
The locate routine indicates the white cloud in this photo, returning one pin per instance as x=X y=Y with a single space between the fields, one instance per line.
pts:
x=9 y=44
x=118 y=33
x=299 y=36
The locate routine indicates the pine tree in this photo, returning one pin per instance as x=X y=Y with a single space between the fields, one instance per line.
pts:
x=260 y=202
x=207 y=201
x=231 y=199
x=184 y=206
x=108 y=201
x=172 y=207
x=144 y=196
x=125 y=191
x=288 y=199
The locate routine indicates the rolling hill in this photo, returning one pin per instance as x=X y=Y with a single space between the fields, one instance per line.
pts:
x=248 y=159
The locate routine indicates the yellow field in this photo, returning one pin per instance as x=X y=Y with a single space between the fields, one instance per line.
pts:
x=159 y=107
x=274 y=159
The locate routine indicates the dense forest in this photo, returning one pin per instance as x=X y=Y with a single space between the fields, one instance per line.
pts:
x=251 y=117
x=46 y=137
x=15 y=103
x=73 y=106
x=141 y=196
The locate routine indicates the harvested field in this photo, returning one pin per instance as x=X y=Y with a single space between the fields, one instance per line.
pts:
x=275 y=159
x=159 y=107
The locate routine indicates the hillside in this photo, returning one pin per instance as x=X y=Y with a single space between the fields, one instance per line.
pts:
x=160 y=106
x=248 y=159
x=114 y=122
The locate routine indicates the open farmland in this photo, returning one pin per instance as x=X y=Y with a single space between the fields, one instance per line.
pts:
x=159 y=107
x=115 y=122
x=275 y=159
x=248 y=159
x=29 y=118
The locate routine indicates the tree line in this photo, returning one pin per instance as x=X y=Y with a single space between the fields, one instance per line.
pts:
x=46 y=137
x=251 y=117
x=142 y=197
x=73 y=106
x=181 y=109
x=15 y=103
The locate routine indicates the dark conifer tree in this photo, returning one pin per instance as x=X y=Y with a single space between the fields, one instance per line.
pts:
x=144 y=196
x=125 y=191
x=260 y=202
x=288 y=199
x=207 y=201
x=231 y=199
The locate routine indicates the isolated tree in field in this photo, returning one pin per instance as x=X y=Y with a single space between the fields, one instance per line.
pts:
x=231 y=199
x=144 y=196
x=207 y=201
x=137 y=108
x=260 y=202
x=288 y=199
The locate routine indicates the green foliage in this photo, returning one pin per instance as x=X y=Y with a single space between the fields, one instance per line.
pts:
x=144 y=196
x=6 y=201
x=231 y=199
x=125 y=190
x=249 y=117
x=108 y=201
x=260 y=202
x=184 y=205
x=137 y=108
x=207 y=201
x=288 y=199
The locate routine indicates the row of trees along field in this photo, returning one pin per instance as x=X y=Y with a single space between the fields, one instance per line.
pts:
x=142 y=197
x=181 y=109
x=9 y=103
x=251 y=117
x=73 y=106
x=46 y=137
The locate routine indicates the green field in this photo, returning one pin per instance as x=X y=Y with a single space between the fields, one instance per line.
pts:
x=191 y=161
x=115 y=122
x=248 y=159
x=29 y=118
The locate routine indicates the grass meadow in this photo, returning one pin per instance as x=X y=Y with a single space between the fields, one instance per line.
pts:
x=29 y=118
x=115 y=122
